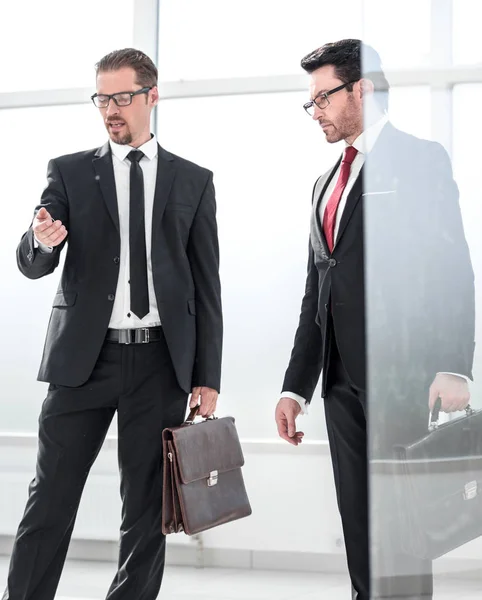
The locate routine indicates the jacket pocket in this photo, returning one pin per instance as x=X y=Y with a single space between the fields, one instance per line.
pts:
x=191 y=306
x=178 y=206
x=63 y=299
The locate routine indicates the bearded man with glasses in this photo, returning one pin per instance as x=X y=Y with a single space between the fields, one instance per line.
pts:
x=136 y=326
x=389 y=283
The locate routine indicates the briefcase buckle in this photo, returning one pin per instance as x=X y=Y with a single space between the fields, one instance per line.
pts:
x=470 y=490
x=213 y=478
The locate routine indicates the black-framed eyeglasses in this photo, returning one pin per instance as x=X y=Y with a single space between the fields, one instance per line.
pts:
x=322 y=101
x=121 y=98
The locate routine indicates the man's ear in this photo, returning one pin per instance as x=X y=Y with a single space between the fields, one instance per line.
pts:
x=154 y=96
x=367 y=87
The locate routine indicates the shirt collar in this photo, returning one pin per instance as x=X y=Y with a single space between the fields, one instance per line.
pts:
x=366 y=140
x=121 y=151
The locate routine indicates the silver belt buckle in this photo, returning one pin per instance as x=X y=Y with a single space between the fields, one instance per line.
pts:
x=142 y=336
x=124 y=336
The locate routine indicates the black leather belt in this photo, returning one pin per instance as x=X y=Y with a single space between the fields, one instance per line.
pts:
x=134 y=336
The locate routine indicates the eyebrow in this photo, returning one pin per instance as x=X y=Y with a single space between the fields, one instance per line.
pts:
x=105 y=94
x=319 y=94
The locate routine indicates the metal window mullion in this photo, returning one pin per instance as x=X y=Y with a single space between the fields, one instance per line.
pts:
x=146 y=34
x=441 y=51
x=436 y=78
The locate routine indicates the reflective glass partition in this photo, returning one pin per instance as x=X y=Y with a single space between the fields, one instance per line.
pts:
x=423 y=267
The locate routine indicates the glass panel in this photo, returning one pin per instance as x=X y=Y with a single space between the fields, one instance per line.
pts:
x=420 y=329
x=410 y=109
x=55 y=44
x=467 y=132
x=25 y=304
x=386 y=26
x=266 y=154
x=467 y=15
x=216 y=39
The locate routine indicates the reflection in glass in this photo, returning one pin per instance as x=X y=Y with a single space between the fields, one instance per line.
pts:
x=420 y=332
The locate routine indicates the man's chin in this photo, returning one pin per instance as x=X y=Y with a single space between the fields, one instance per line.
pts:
x=119 y=138
x=332 y=138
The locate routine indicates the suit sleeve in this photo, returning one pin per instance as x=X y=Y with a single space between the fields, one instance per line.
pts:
x=307 y=355
x=31 y=261
x=203 y=255
x=450 y=277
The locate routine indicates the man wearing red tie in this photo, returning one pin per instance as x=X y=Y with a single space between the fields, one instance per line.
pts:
x=389 y=279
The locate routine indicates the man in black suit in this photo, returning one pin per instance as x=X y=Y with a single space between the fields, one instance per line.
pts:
x=390 y=283
x=136 y=326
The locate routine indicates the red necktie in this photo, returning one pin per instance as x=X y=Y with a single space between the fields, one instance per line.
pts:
x=329 y=217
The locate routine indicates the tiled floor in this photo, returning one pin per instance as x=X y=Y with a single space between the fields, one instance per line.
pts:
x=84 y=580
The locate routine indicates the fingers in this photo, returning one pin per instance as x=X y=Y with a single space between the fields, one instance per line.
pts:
x=195 y=397
x=432 y=397
x=208 y=401
x=453 y=392
x=208 y=404
x=454 y=404
x=285 y=422
x=50 y=233
x=43 y=214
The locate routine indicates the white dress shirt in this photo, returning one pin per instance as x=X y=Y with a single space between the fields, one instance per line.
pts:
x=122 y=317
x=364 y=144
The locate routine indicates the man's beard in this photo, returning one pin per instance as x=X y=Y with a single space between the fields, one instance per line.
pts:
x=347 y=125
x=122 y=139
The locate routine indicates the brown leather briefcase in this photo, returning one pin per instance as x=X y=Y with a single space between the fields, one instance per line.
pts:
x=203 y=482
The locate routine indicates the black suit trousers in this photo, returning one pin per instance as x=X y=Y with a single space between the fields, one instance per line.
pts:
x=138 y=382
x=346 y=411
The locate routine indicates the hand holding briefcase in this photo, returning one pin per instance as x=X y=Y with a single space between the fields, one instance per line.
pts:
x=439 y=481
x=203 y=482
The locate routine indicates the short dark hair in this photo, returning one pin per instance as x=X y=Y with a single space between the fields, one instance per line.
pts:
x=146 y=70
x=350 y=57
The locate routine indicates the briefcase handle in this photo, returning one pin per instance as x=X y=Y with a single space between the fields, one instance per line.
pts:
x=435 y=414
x=193 y=414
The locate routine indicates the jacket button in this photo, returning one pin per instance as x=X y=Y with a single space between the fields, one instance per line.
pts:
x=111 y=297
x=332 y=262
x=116 y=260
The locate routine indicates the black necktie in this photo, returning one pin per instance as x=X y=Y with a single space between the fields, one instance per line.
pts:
x=137 y=238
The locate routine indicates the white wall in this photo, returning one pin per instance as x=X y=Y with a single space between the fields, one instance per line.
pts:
x=295 y=522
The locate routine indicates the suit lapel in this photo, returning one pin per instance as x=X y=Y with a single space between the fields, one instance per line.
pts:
x=317 y=233
x=351 y=202
x=104 y=169
x=379 y=176
x=164 y=178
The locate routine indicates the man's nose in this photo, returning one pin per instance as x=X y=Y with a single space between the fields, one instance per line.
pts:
x=318 y=113
x=112 y=108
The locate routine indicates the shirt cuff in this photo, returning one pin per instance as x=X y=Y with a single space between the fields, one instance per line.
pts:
x=42 y=247
x=301 y=401
x=456 y=375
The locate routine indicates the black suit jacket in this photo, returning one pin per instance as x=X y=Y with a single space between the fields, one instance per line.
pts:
x=185 y=263
x=398 y=287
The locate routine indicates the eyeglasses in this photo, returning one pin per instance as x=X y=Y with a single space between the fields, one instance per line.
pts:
x=121 y=98
x=322 y=101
